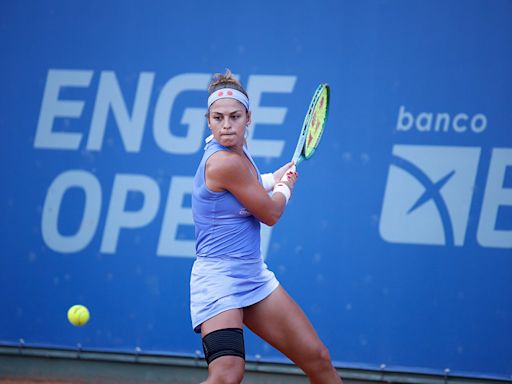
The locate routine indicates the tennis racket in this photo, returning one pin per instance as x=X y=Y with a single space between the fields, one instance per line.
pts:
x=314 y=124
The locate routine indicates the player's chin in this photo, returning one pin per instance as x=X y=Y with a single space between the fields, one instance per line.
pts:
x=230 y=139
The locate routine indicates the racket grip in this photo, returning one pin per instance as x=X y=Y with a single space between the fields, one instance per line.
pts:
x=292 y=169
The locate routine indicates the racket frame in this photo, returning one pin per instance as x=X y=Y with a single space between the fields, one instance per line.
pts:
x=298 y=155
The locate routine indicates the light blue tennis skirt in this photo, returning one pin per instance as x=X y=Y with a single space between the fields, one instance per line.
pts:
x=219 y=284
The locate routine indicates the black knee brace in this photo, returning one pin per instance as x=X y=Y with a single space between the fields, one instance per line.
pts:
x=224 y=342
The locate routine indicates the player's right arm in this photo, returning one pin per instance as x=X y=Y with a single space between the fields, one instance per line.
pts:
x=227 y=171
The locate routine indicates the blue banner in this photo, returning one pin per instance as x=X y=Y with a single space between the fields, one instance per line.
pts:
x=397 y=242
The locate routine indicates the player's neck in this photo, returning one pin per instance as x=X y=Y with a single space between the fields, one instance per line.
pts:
x=238 y=149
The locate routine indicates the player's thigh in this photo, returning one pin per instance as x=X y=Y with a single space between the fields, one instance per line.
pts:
x=232 y=318
x=282 y=323
x=227 y=368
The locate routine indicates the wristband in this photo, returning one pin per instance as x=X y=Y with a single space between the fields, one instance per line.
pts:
x=283 y=189
x=267 y=179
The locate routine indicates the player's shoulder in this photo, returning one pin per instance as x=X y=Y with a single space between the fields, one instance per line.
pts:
x=224 y=161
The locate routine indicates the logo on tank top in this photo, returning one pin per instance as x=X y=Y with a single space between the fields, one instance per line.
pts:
x=244 y=212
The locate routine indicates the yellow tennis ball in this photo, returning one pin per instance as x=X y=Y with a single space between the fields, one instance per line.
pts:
x=78 y=315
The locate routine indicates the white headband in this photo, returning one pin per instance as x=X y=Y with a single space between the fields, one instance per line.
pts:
x=228 y=93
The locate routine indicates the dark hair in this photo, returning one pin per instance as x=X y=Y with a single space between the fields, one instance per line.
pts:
x=225 y=80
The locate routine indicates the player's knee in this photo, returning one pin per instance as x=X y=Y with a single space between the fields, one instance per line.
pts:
x=319 y=359
x=230 y=377
x=323 y=356
x=226 y=370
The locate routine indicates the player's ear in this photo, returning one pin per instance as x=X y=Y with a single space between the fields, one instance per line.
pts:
x=207 y=115
x=249 y=116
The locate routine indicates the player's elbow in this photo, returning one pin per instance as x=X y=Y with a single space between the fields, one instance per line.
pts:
x=271 y=213
x=270 y=221
x=271 y=218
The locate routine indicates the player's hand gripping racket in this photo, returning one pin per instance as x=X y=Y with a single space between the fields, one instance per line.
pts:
x=314 y=124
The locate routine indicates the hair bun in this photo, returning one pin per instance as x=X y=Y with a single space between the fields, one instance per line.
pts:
x=225 y=80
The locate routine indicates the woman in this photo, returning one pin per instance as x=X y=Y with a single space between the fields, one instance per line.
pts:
x=230 y=285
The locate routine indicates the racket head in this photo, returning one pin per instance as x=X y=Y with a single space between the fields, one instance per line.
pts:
x=317 y=120
x=318 y=107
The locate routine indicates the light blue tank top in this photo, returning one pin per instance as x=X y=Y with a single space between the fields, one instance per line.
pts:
x=224 y=227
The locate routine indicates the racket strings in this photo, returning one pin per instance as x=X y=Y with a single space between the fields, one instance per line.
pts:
x=316 y=123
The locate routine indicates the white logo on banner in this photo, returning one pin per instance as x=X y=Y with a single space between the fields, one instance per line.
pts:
x=428 y=194
x=63 y=126
x=429 y=190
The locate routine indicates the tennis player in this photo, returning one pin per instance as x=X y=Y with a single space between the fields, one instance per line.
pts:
x=230 y=284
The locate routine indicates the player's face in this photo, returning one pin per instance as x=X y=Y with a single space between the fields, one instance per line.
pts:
x=228 y=121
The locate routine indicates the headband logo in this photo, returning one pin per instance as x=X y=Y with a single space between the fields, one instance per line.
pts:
x=221 y=93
